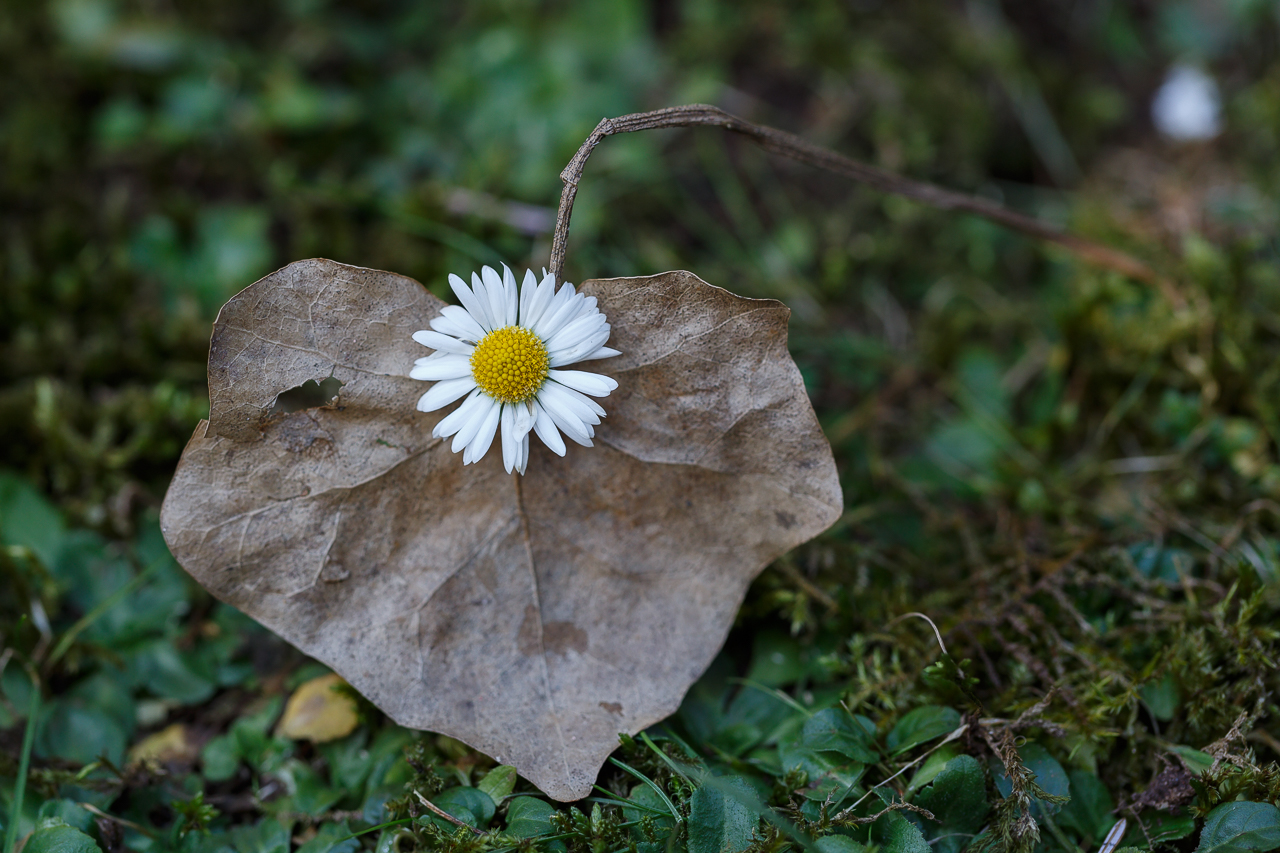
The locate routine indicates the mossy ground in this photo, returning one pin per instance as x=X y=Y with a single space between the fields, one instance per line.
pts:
x=1076 y=477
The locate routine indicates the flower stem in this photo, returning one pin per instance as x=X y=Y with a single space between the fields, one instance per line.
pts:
x=789 y=145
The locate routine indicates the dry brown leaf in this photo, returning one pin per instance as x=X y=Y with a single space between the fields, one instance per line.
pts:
x=317 y=712
x=175 y=743
x=533 y=617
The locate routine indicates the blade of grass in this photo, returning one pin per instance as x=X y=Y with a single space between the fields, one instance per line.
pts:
x=667 y=734
x=64 y=643
x=24 y=765
x=775 y=693
x=675 y=768
x=614 y=801
x=657 y=789
x=401 y=822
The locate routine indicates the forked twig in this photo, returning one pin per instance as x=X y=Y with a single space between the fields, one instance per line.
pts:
x=789 y=145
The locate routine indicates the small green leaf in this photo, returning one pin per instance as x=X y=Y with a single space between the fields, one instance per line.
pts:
x=463 y=802
x=308 y=791
x=67 y=811
x=896 y=834
x=1161 y=698
x=80 y=734
x=839 y=844
x=1089 y=811
x=718 y=821
x=833 y=748
x=1239 y=827
x=958 y=799
x=331 y=838
x=1169 y=828
x=56 y=836
x=266 y=836
x=922 y=725
x=170 y=674
x=220 y=759
x=27 y=518
x=498 y=782
x=1197 y=762
x=528 y=817
x=835 y=730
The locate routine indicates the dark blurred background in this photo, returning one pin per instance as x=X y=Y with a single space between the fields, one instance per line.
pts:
x=158 y=156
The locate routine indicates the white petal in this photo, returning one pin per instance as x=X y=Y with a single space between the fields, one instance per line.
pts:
x=480 y=444
x=445 y=326
x=509 y=442
x=563 y=308
x=588 y=383
x=443 y=393
x=560 y=400
x=497 y=298
x=444 y=343
x=541 y=299
x=524 y=419
x=528 y=289
x=581 y=352
x=471 y=330
x=474 y=305
x=459 y=417
x=511 y=293
x=523 y=455
x=545 y=427
x=589 y=410
x=581 y=329
x=568 y=422
x=603 y=352
x=442 y=367
x=485 y=408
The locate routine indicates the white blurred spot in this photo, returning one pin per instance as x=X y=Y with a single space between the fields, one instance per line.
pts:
x=1187 y=106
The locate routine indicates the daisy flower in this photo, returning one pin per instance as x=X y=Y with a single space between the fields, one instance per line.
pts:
x=503 y=349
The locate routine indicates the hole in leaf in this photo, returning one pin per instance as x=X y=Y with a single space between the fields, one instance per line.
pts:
x=309 y=395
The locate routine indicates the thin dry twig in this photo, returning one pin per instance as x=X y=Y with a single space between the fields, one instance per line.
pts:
x=789 y=145
x=936 y=633
x=94 y=810
x=813 y=591
x=439 y=812
x=847 y=819
x=848 y=812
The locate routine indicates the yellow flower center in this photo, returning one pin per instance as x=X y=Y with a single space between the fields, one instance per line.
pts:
x=510 y=364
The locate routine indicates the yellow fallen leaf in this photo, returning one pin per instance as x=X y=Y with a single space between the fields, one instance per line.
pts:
x=174 y=743
x=318 y=713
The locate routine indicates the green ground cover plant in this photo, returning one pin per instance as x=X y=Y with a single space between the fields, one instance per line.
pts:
x=1074 y=476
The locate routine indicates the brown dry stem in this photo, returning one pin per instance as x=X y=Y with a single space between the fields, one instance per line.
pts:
x=789 y=145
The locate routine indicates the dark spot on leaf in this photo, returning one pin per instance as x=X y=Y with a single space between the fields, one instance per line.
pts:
x=556 y=637
x=559 y=637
